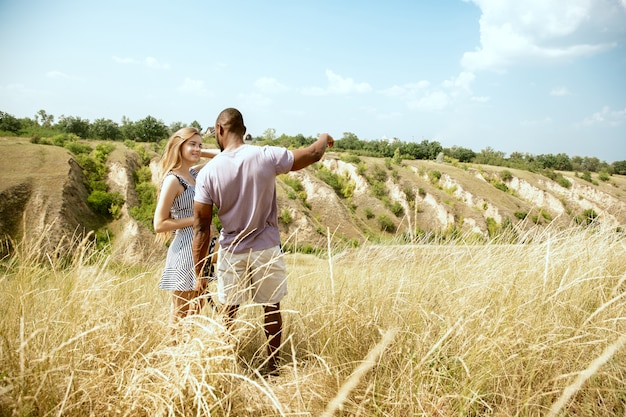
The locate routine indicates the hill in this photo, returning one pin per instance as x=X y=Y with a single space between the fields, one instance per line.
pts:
x=355 y=199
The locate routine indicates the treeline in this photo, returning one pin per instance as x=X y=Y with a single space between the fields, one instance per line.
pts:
x=43 y=125
x=153 y=130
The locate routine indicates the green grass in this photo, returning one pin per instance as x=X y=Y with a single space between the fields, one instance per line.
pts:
x=446 y=330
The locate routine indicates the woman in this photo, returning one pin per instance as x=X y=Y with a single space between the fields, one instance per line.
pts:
x=179 y=166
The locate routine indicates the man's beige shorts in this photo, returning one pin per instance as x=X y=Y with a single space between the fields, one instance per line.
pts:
x=261 y=275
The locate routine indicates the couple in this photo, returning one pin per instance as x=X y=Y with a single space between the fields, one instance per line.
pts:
x=240 y=181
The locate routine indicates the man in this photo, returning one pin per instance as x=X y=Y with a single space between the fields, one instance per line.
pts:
x=241 y=182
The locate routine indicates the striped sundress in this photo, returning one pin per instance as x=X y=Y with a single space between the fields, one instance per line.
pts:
x=179 y=273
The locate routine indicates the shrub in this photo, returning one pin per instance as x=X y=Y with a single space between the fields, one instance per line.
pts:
x=521 y=215
x=144 y=211
x=293 y=182
x=409 y=193
x=492 y=227
x=285 y=217
x=351 y=159
x=368 y=213
x=105 y=203
x=586 y=218
x=501 y=186
x=379 y=189
x=385 y=223
x=604 y=176
x=77 y=148
x=397 y=209
x=563 y=182
x=546 y=215
x=506 y=175
x=434 y=176
x=342 y=185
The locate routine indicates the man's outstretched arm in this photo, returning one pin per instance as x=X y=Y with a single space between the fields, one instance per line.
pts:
x=304 y=157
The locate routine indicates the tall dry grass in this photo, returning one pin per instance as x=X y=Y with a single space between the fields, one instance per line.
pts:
x=436 y=330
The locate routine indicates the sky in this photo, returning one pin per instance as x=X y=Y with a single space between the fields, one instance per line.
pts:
x=532 y=76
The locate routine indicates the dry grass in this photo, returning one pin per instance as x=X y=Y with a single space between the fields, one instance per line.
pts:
x=433 y=330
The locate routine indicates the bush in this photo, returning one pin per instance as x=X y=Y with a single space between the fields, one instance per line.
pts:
x=342 y=186
x=506 y=175
x=434 y=176
x=368 y=213
x=563 y=182
x=586 y=218
x=144 y=211
x=521 y=215
x=397 y=209
x=285 y=217
x=501 y=186
x=77 y=148
x=105 y=203
x=379 y=189
x=385 y=223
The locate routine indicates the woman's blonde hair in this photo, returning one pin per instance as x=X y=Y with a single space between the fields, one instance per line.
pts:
x=172 y=155
x=171 y=160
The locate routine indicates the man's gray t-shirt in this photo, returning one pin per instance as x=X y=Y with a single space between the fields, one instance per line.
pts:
x=241 y=184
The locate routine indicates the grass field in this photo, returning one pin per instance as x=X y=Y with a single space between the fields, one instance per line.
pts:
x=426 y=330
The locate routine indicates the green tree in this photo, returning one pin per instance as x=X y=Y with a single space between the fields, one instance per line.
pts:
x=150 y=130
x=460 y=153
x=349 y=141
x=196 y=125
x=269 y=134
x=619 y=167
x=44 y=119
x=73 y=124
x=128 y=129
x=9 y=123
x=105 y=129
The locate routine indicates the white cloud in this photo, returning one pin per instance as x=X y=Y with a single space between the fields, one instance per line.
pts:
x=125 y=61
x=58 y=74
x=424 y=96
x=149 y=62
x=605 y=117
x=270 y=85
x=480 y=99
x=463 y=81
x=560 y=91
x=407 y=89
x=435 y=100
x=540 y=122
x=538 y=31
x=255 y=100
x=338 y=85
x=193 y=87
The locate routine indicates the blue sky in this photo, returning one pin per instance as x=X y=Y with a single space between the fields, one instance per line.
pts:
x=534 y=76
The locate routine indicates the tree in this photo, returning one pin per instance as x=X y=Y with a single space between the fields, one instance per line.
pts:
x=462 y=154
x=128 y=129
x=349 y=141
x=75 y=125
x=105 y=129
x=619 y=167
x=150 y=130
x=44 y=119
x=196 y=125
x=269 y=134
x=9 y=123
x=176 y=126
x=489 y=156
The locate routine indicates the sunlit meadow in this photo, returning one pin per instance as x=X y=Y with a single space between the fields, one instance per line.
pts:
x=530 y=329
